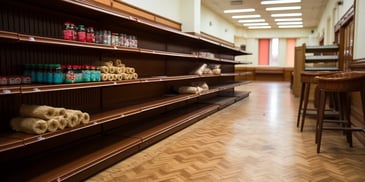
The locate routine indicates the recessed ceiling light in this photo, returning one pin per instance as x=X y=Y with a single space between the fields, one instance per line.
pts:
x=280 y=1
x=246 y=16
x=283 y=8
x=251 y=21
x=239 y=10
x=289 y=23
x=286 y=14
x=290 y=26
x=259 y=27
x=255 y=24
x=288 y=19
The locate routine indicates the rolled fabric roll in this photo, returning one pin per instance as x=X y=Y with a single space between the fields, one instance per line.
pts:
x=60 y=111
x=77 y=112
x=115 y=76
x=201 y=84
x=53 y=124
x=29 y=125
x=104 y=77
x=62 y=122
x=134 y=76
x=119 y=77
x=117 y=62
x=37 y=111
x=72 y=119
x=122 y=69
x=118 y=70
x=216 y=71
x=110 y=77
x=123 y=76
x=104 y=69
x=85 y=119
x=188 y=90
x=200 y=70
x=112 y=69
x=129 y=70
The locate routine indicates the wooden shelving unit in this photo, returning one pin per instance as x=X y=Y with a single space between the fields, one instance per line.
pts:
x=126 y=116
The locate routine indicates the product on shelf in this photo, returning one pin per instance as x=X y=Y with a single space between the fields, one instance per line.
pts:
x=189 y=90
x=203 y=85
x=116 y=71
x=37 y=111
x=200 y=70
x=29 y=125
x=38 y=119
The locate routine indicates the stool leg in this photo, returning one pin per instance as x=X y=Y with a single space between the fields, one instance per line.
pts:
x=320 y=114
x=300 y=103
x=347 y=116
x=306 y=96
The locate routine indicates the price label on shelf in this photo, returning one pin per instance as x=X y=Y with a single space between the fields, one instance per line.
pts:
x=36 y=89
x=31 y=39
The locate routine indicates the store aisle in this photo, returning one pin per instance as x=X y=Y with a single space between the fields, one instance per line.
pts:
x=255 y=139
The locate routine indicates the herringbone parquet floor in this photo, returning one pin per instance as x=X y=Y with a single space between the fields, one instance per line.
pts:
x=255 y=139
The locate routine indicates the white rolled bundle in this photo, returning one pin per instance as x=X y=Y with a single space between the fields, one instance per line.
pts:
x=104 y=69
x=53 y=124
x=85 y=119
x=37 y=111
x=62 y=122
x=202 y=85
x=112 y=69
x=78 y=113
x=104 y=77
x=200 y=70
x=29 y=125
x=60 y=111
x=189 y=90
x=72 y=119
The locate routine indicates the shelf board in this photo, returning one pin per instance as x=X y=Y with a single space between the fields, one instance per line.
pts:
x=321 y=58
x=321 y=69
x=326 y=48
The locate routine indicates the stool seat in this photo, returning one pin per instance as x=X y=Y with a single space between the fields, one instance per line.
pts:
x=307 y=78
x=342 y=84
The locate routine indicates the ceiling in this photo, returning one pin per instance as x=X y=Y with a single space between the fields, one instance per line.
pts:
x=311 y=10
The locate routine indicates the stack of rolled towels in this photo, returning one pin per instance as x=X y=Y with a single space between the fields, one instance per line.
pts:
x=116 y=71
x=193 y=88
x=39 y=119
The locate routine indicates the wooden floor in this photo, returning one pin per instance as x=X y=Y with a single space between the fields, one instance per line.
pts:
x=255 y=139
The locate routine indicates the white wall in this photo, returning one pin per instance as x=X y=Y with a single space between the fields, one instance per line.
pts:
x=215 y=25
x=165 y=8
x=359 y=35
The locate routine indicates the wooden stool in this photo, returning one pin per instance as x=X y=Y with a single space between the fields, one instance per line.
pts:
x=342 y=84
x=307 y=78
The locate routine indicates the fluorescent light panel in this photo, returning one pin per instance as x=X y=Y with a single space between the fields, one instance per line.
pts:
x=286 y=14
x=259 y=27
x=255 y=24
x=289 y=23
x=251 y=21
x=280 y=1
x=283 y=8
x=290 y=26
x=288 y=19
x=246 y=16
x=239 y=10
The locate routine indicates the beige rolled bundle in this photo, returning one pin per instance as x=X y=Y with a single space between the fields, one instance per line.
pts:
x=118 y=62
x=201 y=84
x=112 y=69
x=37 y=111
x=189 y=90
x=104 y=77
x=107 y=63
x=72 y=119
x=85 y=119
x=207 y=71
x=60 y=111
x=200 y=70
x=119 y=70
x=29 y=125
x=104 y=69
x=62 y=122
x=134 y=76
x=216 y=71
x=129 y=70
x=120 y=77
x=110 y=77
x=53 y=124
